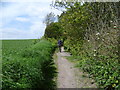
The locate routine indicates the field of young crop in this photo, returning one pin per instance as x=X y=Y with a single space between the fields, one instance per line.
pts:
x=26 y=64
x=12 y=48
x=15 y=45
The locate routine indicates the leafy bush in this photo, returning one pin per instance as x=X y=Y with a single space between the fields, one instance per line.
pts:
x=105 y=73
x=91 y=31
x=32 y=67
x=53 y=41
x=53 y=31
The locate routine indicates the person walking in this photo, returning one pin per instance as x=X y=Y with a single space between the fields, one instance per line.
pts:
x=60 y=44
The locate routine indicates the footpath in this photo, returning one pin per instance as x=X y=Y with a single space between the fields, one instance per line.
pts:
x=69 y=76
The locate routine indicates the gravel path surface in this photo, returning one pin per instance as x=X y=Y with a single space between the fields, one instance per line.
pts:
x=69 y=76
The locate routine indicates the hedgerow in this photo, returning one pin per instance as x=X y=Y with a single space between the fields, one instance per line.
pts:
x=30 y=68
x=90 y=30
x=104 y=71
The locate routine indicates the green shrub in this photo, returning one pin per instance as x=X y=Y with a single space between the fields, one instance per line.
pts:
x=105 y=73
x=32 y=67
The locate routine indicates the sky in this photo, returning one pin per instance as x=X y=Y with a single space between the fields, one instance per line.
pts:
x=23 y=19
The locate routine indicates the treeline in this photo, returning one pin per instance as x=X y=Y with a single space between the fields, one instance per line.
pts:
x=91 y=31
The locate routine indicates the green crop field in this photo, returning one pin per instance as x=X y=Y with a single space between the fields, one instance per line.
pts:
x=26 y=64
x=15 y=45
x=12 y=48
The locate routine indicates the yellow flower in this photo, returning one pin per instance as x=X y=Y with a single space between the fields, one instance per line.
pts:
x=113 y=85
x=116 y=81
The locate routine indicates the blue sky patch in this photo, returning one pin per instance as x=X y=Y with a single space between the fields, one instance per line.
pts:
x=24 y=20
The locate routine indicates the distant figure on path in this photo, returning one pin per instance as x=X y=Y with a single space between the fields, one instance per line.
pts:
x=60 y=44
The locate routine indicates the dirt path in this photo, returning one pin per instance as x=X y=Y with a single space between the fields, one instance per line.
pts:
x=69 y=76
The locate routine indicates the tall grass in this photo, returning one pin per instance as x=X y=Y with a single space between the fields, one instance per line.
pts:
x=32 y=67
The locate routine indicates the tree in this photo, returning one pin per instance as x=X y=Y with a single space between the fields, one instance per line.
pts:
x=91 y=30
x=49 y=18
x=53 y=30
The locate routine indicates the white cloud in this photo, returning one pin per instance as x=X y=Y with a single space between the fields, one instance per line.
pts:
x=13 y=33
x=36 y=13
x=10 y=12
x=37 y=29
x=22 y=19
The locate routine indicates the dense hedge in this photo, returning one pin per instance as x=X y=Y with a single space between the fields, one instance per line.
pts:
x=30 y=68
x=104 y=71
x=90 y=30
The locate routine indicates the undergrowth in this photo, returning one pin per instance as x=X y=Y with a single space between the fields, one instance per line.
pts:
x=30 y=68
